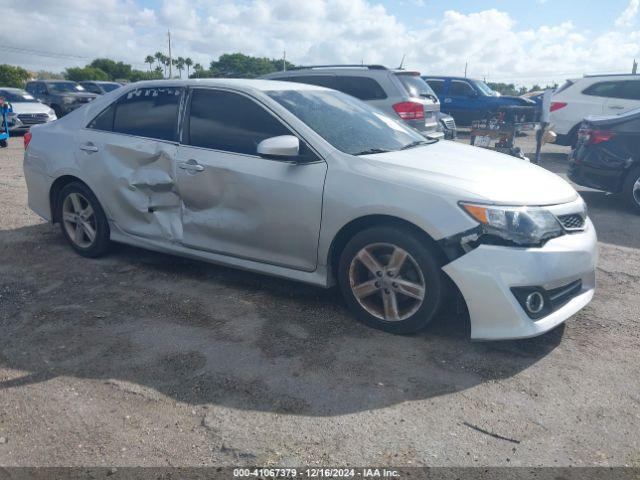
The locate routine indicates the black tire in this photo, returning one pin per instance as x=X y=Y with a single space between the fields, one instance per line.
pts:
x=58 y=111
x=3 y=144
x=100 y=243
x=632 y=197
x=422 y=256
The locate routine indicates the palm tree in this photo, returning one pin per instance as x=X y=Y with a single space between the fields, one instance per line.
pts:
x=188 y=62
x=198 y=69
x=150 y=59
x=161 y=59
x=179 y=63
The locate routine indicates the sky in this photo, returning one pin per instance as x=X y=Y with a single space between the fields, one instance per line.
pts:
x=515 y=41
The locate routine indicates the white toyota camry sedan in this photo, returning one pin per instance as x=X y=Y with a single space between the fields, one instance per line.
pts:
x=313 y=185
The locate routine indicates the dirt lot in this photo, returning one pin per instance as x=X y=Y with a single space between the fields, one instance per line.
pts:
x=146 y=359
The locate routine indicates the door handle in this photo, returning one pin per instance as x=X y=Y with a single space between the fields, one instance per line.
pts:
x=89 y=148
x=191 y=166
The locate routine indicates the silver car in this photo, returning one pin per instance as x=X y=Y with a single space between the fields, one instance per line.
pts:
x=27 y=111
x=314 y=185
x=399 y=93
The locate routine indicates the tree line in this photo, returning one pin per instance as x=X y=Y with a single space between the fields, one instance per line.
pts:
x=228 y=65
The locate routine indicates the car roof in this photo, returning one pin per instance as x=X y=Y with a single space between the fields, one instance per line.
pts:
x=53 y=81
x=237 y=83
x=100 y=82
x=11 y=89
x=448 y=77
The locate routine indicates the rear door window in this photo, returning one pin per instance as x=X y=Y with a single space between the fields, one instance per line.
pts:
x=230 y=122
x=606 y=89
x=460 y=88
x=364 y=88
x=149 y=112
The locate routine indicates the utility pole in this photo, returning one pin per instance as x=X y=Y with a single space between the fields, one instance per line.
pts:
x=466 y=64
x=284 y=60
x=634 y=70
x=169 y=35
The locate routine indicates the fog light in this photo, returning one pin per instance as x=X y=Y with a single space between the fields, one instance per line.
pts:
x=534 y=303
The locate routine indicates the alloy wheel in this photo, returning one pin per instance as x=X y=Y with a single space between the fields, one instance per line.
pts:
x=387 y=282
x=79 y=220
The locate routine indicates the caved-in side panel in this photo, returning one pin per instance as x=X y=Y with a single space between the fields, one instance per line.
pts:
x=134 y=178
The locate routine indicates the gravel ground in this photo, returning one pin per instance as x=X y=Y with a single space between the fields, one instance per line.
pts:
x=141 y=358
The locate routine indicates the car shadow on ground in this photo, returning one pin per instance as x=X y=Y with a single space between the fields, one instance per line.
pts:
x=200 y=333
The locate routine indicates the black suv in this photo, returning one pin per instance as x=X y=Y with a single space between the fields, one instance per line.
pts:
x=62 y=96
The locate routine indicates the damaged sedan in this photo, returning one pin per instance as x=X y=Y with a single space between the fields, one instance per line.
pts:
x=313 y=185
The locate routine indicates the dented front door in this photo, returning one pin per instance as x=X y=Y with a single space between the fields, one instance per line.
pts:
x=134 y=179
x=250 y=207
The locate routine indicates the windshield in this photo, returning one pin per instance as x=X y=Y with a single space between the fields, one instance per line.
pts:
x=347 y=123
x=486 y=89
x=416 y=86
x=108 y=87
x=64 y=87
x=16 y=96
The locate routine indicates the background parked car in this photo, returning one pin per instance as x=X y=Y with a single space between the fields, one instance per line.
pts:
x=466 y=99
x=607 y=155
x=61 y=95
x=99 y=88
x=591 y=95
x=398 y=93
x=27 y=110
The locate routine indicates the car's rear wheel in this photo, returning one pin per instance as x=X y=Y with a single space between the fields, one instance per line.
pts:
x=631 y=190
x=391 y=279
x=83 y=221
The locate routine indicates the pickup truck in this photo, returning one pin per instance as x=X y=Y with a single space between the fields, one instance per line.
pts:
x=466 y=99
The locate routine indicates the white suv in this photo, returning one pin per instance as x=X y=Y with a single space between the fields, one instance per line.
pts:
x=591 y=95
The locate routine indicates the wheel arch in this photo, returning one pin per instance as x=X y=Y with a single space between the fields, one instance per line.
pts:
x=54 y=192
x=359 y=224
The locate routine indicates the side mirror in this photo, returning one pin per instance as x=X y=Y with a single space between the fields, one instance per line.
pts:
x=284 y=147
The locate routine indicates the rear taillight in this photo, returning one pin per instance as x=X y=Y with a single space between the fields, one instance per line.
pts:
x=557 y=106
x=409 y=110
x=594 y=137
x=27 y=139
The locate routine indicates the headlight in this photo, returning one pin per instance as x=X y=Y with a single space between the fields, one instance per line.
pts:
x=52 y=114
x=68 y=100
x=526 y=226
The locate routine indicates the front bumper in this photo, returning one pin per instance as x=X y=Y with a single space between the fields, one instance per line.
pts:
x=486 y=275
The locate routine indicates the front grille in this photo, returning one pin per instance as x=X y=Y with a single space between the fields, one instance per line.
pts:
x=572 y=222
x=33 y=118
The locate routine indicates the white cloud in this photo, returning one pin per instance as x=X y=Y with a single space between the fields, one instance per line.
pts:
x=314 y=31
x=629 y=15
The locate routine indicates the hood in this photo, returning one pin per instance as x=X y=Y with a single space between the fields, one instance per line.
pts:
x=78 y=94
x=475 y=173
x=30 y=107
x=517 y=100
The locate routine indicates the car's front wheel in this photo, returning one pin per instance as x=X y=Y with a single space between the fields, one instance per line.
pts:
x=83 y=221
x=391 y=279
x=631 y=190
